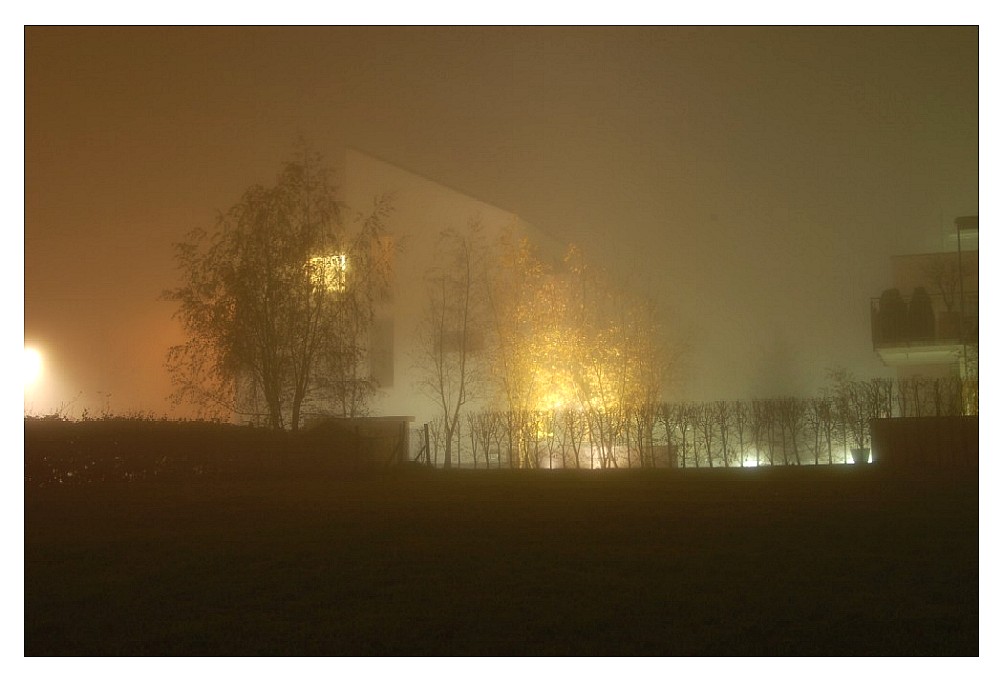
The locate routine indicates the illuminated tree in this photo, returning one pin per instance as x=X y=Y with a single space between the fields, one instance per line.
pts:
x=598 y=362
x=615 y=354
x=572 y=357
x=275 y=301
x=646 y=363
x=527 y=340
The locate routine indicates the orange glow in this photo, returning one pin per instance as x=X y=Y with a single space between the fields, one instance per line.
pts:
x=32 y=366
x=328 y=272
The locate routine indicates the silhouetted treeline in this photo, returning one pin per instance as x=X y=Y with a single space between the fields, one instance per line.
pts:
x=821 y=430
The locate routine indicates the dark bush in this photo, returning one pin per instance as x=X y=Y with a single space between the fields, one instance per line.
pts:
x=921 y=315
x=112 y=450
x=892 y=316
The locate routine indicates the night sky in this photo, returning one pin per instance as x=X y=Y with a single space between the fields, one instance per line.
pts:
x=755 y=180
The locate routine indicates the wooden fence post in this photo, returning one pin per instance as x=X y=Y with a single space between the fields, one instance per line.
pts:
x=427 y=443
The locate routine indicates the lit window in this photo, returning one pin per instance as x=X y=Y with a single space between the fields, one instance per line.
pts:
x=328 y=272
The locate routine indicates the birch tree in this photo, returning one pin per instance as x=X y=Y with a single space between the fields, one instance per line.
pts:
x=279 y=295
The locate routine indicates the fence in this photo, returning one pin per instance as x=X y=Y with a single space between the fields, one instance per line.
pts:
x=930 y=441
x=792 y=431
x=926 y=319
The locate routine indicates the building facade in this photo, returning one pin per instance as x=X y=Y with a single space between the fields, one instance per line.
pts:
x=927 y=322
x=420 y=210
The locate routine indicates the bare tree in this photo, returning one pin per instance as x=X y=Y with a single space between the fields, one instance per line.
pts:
x=840 y=392
x=742 y=421
x=723 y=414
x=451 y=337
x=483 y=431
x=857 y=403
x=882 y=397
x=647 y=363
x=667 y=415
x=823 y=421
x=473 y=426
x=560 y=437
x=704 y=421
x=685 y=424
x=942 y=272
x=762 y=424
x=574 y=427
x=618 y=359
x=792 y=413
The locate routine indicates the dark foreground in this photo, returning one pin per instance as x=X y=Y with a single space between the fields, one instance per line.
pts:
x=814 y=561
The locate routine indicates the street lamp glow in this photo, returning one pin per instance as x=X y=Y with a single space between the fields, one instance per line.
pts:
x=32 y=366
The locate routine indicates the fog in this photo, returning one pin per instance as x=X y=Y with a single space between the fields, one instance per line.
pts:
x=755 y=181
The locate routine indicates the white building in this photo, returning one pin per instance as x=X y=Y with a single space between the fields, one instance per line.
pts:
x=421 y=210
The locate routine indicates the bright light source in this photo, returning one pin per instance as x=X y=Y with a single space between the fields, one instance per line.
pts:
x=850 y=459
x=32 y=366
x=328 y=272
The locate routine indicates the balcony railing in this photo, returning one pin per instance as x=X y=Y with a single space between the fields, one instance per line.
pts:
x=898 y=321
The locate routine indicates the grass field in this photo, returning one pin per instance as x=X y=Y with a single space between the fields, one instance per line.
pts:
x=810 y=561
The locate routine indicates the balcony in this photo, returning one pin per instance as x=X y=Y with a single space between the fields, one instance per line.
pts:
x=923 y=329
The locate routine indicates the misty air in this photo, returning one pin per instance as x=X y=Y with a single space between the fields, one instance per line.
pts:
x=501 y=341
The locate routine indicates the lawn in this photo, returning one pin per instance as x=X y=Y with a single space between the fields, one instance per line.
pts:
x=837 y=560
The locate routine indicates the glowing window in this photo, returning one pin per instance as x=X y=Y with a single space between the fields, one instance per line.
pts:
x=328 y=272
